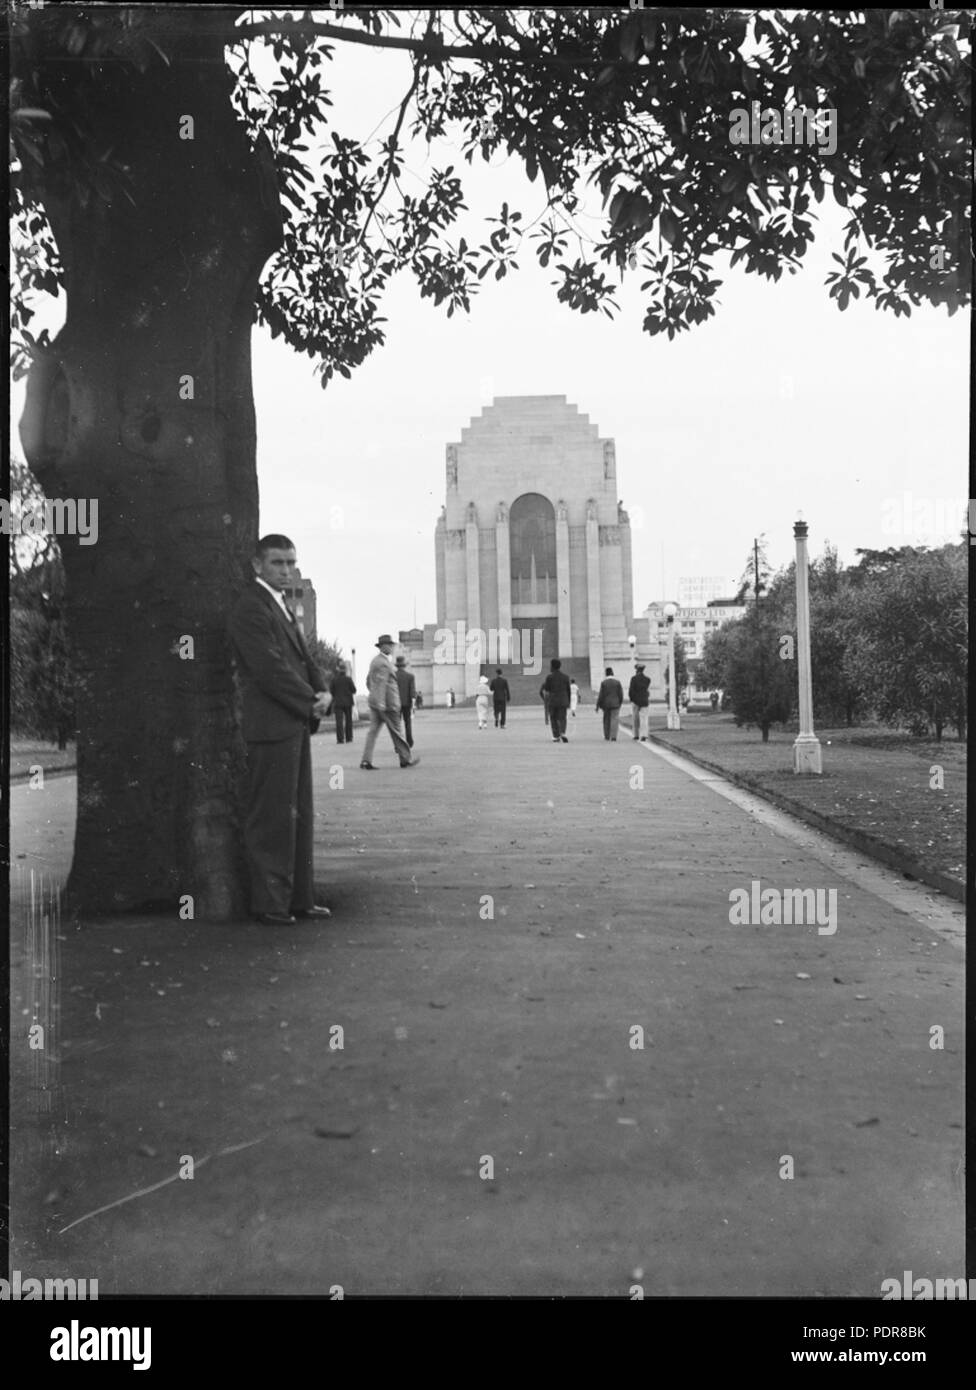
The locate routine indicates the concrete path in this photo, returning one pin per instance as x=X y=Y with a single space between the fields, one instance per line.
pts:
x=506 y=916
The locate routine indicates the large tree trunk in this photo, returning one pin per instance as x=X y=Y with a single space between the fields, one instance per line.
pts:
x=145 y=404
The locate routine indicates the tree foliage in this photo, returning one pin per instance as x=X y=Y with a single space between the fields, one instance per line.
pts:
x=910 y=656
x=638 y=105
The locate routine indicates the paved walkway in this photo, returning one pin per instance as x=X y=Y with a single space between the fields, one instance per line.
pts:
x=487 y=1125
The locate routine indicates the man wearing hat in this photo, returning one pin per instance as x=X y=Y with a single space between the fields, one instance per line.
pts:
x=384 y=705
x=408 y=690
x=639 y=699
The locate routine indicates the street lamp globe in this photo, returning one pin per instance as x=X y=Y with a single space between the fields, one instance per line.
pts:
x=670 y=610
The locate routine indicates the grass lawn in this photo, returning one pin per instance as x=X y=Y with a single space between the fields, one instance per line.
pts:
x=874 y=780
x=27 y=753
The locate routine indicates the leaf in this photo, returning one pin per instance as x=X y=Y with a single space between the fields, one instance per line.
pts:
x=630 y=37
x=670 y=227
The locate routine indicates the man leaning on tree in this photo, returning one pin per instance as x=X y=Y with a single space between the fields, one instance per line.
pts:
x=284 y=698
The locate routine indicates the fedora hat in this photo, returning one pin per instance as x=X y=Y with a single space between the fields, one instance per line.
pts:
x=384 y=638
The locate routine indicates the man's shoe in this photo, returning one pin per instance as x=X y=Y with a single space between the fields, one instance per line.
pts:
x=315 y=912
x=564 y=738
x=275 y=919
x=368 y=766
x=412 y=763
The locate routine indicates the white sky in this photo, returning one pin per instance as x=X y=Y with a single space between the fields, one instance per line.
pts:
x=780 y=402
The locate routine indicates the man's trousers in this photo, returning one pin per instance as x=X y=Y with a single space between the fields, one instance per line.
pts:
x=640 y=720
x=279 y=823
x=500 y=707
x=379 y=719
x=343 y=719
x=611 y=722
x=408 y=725
x=557 y=718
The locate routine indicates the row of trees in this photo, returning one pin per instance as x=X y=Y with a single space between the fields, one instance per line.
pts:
x=888 y=637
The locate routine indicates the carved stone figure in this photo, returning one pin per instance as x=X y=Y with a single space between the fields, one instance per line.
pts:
x=472 y=514
x=502 y=513
x=609 y=459
x=591 y=512
x=561 y=512
x=451 y=466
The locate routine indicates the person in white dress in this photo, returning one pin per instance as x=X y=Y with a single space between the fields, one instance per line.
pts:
x=482 y=702
x=574 y=693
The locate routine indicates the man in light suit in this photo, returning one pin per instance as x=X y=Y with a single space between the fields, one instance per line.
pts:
x=284 y=697
x=384 y=706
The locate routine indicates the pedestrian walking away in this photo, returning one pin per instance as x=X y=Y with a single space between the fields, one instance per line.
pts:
x=500 y=696
x=609 y=700
x=284 y=699
x=343 y=691
x=481 y=702
x=556 y=693
x=407 y=686
x=639 y=697
x=384 y=706
x=574 y=698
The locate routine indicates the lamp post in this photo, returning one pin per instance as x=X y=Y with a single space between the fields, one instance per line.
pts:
x=807 y=755
x=674 y=718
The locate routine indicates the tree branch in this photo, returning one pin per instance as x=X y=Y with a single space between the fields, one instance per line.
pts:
x=393 y=153
x=433 y=49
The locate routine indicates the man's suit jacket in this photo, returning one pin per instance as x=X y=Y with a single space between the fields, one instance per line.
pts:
x=407 y=686
x=381 y=682
x=611 y=694
x=637 y=692
x=342 y=689
x=556 y=685
x=279 y=678
x=500 y=692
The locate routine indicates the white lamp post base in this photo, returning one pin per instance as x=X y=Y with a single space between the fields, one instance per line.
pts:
x=674 y=719
x=806 y=754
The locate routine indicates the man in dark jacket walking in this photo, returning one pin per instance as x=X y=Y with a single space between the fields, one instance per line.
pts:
x=408 y=692
x=500 y=696
x=639 y=697
x=342 y=689
x=610 y=698
x=555 y=691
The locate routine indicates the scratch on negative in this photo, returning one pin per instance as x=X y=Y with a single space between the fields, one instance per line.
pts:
x=145 y=1191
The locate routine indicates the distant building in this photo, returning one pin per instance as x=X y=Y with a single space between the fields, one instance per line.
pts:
x=696 y=591
x=533 y=557
x=301 y=594
x=693 y=623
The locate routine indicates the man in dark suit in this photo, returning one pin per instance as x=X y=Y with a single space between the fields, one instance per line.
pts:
x=343 y=690
x=610 y=698
x=556 y=693
x=408 y=690
x=639 y=697
x=500 y=696
x=284 y=697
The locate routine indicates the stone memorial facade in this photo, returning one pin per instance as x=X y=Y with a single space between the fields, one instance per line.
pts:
x=533 y=555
